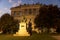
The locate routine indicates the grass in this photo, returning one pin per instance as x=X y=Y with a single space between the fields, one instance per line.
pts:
x=33 y=37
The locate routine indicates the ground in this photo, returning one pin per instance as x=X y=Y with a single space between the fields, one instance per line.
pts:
x=33 y=37
x=56 y=36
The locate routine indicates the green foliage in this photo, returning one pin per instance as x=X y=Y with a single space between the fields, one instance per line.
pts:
x=8 y=24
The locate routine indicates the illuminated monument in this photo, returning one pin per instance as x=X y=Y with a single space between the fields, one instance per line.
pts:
x=27 y=11
x=22 y=30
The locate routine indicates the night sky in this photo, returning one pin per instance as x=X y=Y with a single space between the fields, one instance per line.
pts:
x=5 y=5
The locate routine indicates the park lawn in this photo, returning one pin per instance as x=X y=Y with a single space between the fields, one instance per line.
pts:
x=33 y=37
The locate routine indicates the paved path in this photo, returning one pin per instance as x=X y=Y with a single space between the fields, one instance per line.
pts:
x=56 y=37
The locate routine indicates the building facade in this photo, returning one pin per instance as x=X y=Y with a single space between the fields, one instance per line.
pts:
x=26 y=12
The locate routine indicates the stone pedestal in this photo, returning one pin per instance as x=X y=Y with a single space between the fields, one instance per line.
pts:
x=22 y=30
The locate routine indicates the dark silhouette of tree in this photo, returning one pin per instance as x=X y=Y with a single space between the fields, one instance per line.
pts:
x=48 y=17
x=58 y=22
x=41 y=19
x=8 y=24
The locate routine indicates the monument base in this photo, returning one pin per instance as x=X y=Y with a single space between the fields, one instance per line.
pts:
x=21 y=33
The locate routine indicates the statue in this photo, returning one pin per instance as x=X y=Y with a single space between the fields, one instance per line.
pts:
x=22 y=29
x=30 y=28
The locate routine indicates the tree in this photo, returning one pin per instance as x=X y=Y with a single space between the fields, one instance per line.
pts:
x=48 y=16
x=8 y=24
x=58 y=22
x=41 y=19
